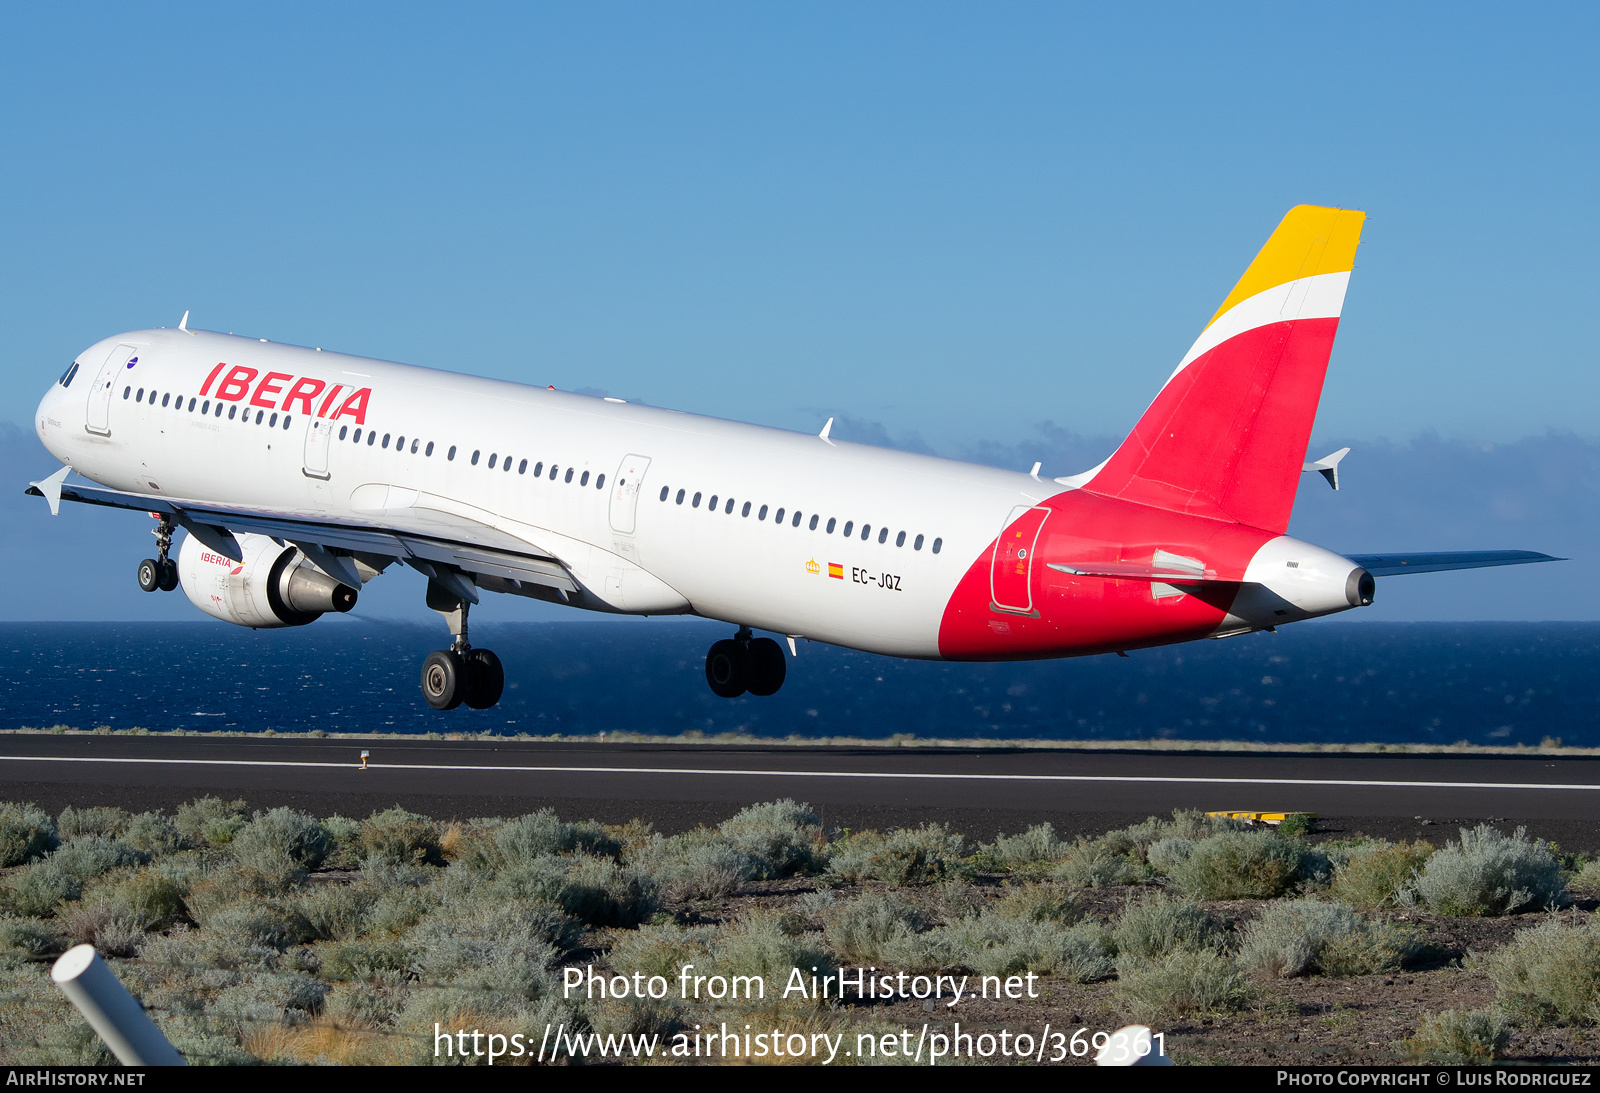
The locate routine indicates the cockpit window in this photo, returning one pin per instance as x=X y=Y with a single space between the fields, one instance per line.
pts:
x=67 y=376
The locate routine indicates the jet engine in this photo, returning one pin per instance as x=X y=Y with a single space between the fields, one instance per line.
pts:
x=274 y=585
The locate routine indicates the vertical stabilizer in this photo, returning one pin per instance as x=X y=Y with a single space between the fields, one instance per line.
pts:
x=1226 y=438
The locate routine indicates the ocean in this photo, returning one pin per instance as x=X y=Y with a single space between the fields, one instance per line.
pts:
x=1435 y=683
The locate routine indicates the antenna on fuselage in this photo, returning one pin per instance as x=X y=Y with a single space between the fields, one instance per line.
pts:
x=183 y=324
x=825 y=429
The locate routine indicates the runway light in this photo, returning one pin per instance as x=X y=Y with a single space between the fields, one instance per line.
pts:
x=364 y=756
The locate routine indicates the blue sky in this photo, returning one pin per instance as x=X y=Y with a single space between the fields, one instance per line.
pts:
x=947 y=223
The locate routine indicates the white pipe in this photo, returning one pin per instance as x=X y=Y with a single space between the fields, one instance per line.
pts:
x=111 y=1011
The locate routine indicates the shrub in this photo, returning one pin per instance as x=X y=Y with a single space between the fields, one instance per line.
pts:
x=1037 y=844
x=1588 y=877
x=602 y=893
x=152 y=898
x=500 y=954
x=333 y=912
x=114 y=931
x=914 y=855
x=859 y=930
x=1182 y=982
x=1303 y=937
x=1297 y=825
x=153 y=833
x=26 y=832
x=1038 y=903
x=1164 y=855
x=281 y=835
x=660 y=949
x=400 y=836
x=1373 y=876
x=988 y=944
x=1094 y=863
x=1550 y=972
x=30 y=937
x=1490 y=873
x=95 y=820
x=209 y=821
x=1457 y=1037
x=1158 y=925
x=1245 y=865
x=365 y=960
x=89 y=856
x=781 y=837
x=538 y=833
x=39 y=888
x=697 y=864
x=758 y=946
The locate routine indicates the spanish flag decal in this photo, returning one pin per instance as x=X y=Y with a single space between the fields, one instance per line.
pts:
x=836 y=570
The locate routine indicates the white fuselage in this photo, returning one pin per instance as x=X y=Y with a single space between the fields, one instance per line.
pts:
x=629 y=550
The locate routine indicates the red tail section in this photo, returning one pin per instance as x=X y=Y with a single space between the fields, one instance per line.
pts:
x=1226 y=437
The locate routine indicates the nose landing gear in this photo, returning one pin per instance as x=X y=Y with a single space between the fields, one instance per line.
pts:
x=744 y=663
x=160 y=572
x=460 y=673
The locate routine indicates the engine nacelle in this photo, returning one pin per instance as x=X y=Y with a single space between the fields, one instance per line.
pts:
x=273 y=586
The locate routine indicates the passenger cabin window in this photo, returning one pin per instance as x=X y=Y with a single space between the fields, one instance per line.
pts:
x=848 y=524
x=727 y=510
x=600 y=483
x=357 y=437
x=344 y=431
x=165 y=399
x=553 y=471
x=712 y=507
x=126 y=391
x=746 y=510
x=584 y=480
x=429 y=449
x=831 y=521
x=452 y=453
x=568 y=478
x=696 y=502
x=937 y=543
x=231 y=411
x=492 y=458
x=273 y=424
x=917 y=544
x=191 y=406
x=475 y=458
x=664 y=491
x=680 y=497
x=813 y=521
x=900 y=540
x=883 y=535
x=522 y=468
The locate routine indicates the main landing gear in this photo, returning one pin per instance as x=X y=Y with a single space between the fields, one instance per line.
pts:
x=745 y=663
x=160 y=572
x=460 y=673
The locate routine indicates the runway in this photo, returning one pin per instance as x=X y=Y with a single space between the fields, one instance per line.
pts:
x=979 y=792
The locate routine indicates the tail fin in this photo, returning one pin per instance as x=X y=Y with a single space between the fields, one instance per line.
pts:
x=1227 y=435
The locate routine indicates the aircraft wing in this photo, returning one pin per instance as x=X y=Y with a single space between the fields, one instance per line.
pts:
x=329 y=544
x=1388 y=565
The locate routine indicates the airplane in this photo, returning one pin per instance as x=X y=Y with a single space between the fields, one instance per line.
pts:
x=299 y=475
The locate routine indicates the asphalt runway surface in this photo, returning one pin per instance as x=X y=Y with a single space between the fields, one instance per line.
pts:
x=979 y=792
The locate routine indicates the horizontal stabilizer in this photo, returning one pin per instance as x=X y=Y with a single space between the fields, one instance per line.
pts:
x=1387 y=565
